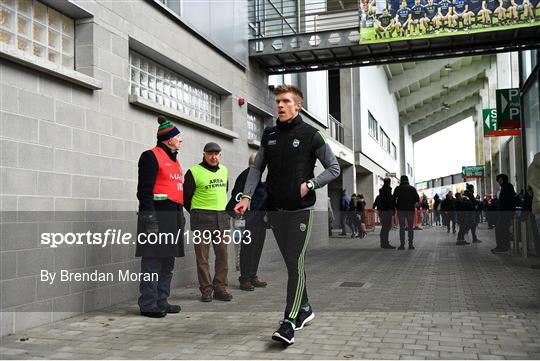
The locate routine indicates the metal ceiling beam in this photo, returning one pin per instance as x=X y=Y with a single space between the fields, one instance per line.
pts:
x=454 y=96
x=454 y=79
x=421 y=71
x=442 y=125
x=438 y=117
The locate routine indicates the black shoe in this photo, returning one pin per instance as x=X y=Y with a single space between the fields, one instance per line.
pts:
x=303 y=318
x=388 y=246
x=401 y=248
x=499 y=251
x=284 y=334
x=171 y=308
x=411 y=246
x=223 y=296
x=535 y=266
x=154 y=313
x=476 y=241
x=461 y=243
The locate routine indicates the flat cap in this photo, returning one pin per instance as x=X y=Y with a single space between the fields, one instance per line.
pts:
x=212 y=147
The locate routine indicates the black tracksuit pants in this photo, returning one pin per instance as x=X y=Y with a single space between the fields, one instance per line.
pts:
x=292 y=230
x=250 y=253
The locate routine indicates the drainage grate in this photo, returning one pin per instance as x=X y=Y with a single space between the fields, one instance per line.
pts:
x=352 y=284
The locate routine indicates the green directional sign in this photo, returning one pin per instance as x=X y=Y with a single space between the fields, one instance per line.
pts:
x=475 y=171
x=489 y=117
x=508 y=108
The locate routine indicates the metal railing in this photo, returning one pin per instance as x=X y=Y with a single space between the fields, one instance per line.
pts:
x=270 y=18
x=336 y=129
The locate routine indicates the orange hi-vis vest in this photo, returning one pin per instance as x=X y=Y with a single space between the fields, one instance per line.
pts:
x=170 y=179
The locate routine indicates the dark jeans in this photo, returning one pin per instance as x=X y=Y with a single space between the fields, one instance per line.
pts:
x=386 y=226
x=292 y=230
x=250 y=253
x=343 y=221
x=154 y=294
x=406 y=216
x=502 y=230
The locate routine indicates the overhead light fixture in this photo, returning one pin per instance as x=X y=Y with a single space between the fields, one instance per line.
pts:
x=448 y=67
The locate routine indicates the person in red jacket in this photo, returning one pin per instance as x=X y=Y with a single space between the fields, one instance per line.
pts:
x=161 y=198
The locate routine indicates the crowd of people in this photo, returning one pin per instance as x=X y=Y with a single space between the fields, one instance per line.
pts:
x=459 y=213
x=416 y=17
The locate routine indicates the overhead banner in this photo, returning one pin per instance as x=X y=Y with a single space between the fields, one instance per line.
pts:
x=508 y=108
x=475 y=171
x=393 y=20
x=489 y=117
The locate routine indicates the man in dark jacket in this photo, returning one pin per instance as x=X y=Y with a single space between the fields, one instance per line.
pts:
x=464 y=209
x=290 y=150
x=505 y=214
x=406 y=197
x=160 y=195
x=255 y=229
x=448 y=208
x=437 y=209
x=385 y=204
x=474 y=216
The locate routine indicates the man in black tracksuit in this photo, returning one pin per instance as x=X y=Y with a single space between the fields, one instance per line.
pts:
x=385 y=204
x=290 y=150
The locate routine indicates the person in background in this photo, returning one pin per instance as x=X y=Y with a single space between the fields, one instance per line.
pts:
x=491 y=212
x=533 y=186
x=385 y=205
x=344 y=206
x=331 y=217
x=505 y=214
x=161 y=199
x=361 y=214
x=448 y=207
x=437 y=209
x=406 y=197
x=480 y=204
x=254 y=225
x=352 y=217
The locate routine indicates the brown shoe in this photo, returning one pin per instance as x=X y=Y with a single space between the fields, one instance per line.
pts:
x=222 y=296
x=256 y=283
x=206 y=297
x=246 y=286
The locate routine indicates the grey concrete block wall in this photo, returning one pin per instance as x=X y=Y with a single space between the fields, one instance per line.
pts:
x=74 y=151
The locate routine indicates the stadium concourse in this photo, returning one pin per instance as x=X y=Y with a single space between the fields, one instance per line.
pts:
x=439 y=301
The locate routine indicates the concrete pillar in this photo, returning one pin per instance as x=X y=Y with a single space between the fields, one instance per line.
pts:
x=347 y=105
x=348 y=175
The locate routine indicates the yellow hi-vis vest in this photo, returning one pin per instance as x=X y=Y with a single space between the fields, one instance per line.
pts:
x=210 y=188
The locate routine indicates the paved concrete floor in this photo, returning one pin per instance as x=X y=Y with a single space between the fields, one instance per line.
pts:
x=438 y=301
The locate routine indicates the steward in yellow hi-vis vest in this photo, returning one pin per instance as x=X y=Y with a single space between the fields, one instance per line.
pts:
x=160 y=195
x=205 y=197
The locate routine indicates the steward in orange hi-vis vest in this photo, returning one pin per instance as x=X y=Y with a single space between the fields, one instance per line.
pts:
x=170 y=179
x=161 y=206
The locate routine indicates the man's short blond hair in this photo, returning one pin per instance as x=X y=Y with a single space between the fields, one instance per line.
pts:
x=287 y=88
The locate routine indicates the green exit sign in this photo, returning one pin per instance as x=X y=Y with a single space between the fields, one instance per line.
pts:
x=474 y=171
